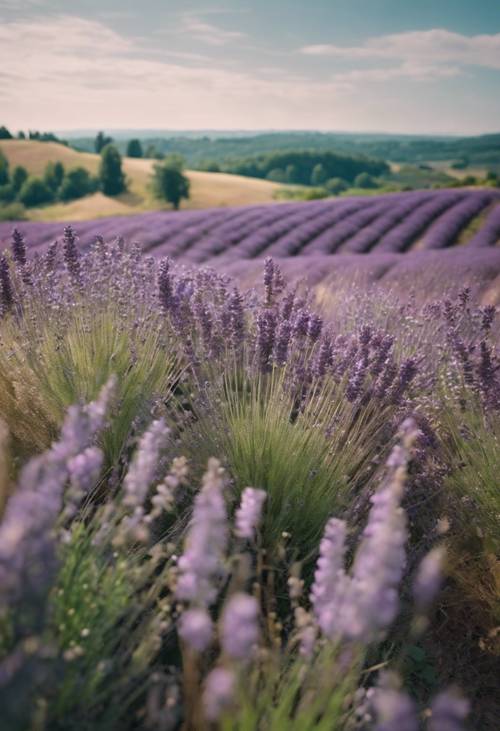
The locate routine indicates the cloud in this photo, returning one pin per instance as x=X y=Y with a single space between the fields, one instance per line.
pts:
x=431 y=47
x=208 y=33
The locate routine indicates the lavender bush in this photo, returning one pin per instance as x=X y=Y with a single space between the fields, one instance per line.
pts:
x=221 y=509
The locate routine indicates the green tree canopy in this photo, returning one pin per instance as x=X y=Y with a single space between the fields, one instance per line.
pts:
x=101 y=141
x=169 y=182
x=111 y=176
x=77 y=182
x=53 y=175
x=134 y=148
x=18 y=177
x=4 y=169
x=364 y=180
x=35 y=192
x=4 y=133
x=336 y=185
x=318 y=175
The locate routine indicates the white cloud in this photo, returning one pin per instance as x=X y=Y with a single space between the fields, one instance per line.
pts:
x=213 y=35
x=436 y=46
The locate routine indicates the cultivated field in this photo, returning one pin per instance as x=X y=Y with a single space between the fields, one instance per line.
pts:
x=231 y=502
x=207 y=189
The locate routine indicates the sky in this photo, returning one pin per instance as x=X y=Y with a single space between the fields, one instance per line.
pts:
x=419 y=66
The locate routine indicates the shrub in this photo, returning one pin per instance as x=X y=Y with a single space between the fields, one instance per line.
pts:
x=336 y=185
x=364 y=180
x=134 y=148
x=4 y=169
x=12 y=212
x=111 y=176
x=7 y=193
x=77 y=183
x=35 y=192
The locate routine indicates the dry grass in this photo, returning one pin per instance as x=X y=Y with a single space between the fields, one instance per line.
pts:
x=208 y=190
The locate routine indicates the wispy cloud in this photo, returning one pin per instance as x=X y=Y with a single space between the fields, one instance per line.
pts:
x=196 y=27
x=420 y=55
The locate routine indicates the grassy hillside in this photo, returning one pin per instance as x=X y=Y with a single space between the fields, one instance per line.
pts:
x=207 y=189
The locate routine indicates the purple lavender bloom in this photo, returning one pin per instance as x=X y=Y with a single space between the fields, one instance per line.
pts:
x=202 y=563
x=282 y=342
x=165 y=290
x=6 y=293
x=394 y=710
x=18 y=248
x=429 y=578
x=448 y=712
x=71 y=257
x=236 y=318
x=314 y=328
x=219 y=692
x=196 y=628
x=266 y=328
x=249 y=513
x=240 y=630
x=329 y=577
x=144 y=466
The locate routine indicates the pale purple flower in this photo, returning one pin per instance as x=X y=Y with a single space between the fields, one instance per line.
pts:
x=195 y=628
x=249 y=513
x=218 y=694
x=448 y=712
x=144 y=466
x=83 y=470
x=394 y=710
x=329 y=577
x=240 y=629
x=429 y=577
x=202 y=563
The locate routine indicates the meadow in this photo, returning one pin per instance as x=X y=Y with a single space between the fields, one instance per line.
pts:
x=232 y=501
x=207 y=189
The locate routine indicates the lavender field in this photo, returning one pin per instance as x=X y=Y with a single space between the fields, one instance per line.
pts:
x=228 y=506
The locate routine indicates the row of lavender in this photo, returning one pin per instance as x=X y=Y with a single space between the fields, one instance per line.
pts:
x=389 y=223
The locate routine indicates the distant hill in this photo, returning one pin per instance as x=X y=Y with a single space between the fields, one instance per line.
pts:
x=221 y=147
x=208 y=190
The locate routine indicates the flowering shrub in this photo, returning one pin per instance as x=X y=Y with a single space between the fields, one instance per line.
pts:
x=223 y=510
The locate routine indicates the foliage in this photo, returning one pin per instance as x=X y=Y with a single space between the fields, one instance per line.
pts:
x=101 y=141
x=4 y=133
x=111 y=176
x=134 y=148
x=77 y=182
x=53 y=175
x=35 y=192
x=12 y=212
x=169 y=182
x=18 y=177
x=4 y=169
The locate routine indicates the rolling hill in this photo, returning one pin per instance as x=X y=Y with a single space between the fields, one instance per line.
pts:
x=207 y=189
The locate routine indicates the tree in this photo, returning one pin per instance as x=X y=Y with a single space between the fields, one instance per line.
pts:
x=77 y=182
x=292 y=174
x=364 y=180
x=111 y=175
x=35 y=192
x=101 y=141
x=7 y=193
x=134 y=148
x=169 y=181
x=4 y=169
x=153 y=152
x=21 y=135
x=18 y=177
x=4 y=133
x=53 y=175
x=318 y=175
x=336 y=185
x=277 y=175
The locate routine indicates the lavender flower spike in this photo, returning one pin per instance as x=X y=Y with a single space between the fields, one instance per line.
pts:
x=240 y=631
x=395 y=711
x=449 y=711
x=18 y=248
x=144 y=466
x=219 y=692
x=196 y=629
x=71 y=257
x=429 y=578
x=329 y=576
x=249 y=513
x=6 y=293
x=201 y=565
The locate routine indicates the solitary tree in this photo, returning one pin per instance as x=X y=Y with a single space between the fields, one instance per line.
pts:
x=169 y=182
x=101 y=141
x=111 y=176
x=4 y=133
x=134 y=148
